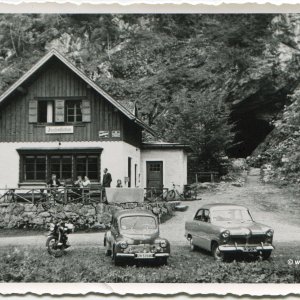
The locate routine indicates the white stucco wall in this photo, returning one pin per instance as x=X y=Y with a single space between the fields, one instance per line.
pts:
x=114 y=157
x=174 y=166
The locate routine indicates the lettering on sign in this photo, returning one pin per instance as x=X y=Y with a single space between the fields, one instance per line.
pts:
x=116 y=133
x=103 y=133
x=59 y=129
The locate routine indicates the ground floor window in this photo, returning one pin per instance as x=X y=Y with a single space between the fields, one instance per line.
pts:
x=65 y=166
x=35 y=167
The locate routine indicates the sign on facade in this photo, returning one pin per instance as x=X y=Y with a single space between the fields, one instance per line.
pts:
x=103 y=133
x=59 y=129
x=116 y=133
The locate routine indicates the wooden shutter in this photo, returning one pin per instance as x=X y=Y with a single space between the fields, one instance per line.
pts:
x=86 y=111
x=59 y=111
x=33 y=111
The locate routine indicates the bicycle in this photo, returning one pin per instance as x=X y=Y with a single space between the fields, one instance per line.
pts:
x=187 y=195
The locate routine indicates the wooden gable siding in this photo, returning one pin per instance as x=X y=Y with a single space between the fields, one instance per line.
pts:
x=58 y=82
x=132 y=133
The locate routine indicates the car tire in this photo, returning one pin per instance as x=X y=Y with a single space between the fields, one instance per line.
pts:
x=116 y=260
x=216 y=253
x=163 y=261
x=192 y=246
x=266 y=254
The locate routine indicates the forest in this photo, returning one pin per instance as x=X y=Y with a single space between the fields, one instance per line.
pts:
x=226 y=84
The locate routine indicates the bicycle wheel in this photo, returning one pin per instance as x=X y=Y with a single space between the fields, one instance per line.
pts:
x=171 y=195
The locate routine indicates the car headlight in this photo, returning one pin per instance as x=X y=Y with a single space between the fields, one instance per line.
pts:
x=52 y=226
x=163 y=243
x=123 y=244
x=270 y=232
x=225 y=234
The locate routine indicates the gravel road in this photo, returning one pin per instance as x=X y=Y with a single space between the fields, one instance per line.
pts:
x=267 y=203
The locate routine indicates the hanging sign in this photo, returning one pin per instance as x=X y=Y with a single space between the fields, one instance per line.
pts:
x=59 y=129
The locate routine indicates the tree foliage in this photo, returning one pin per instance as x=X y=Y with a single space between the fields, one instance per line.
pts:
x=181 y=70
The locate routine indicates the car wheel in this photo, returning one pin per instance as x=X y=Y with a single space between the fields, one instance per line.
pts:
x=266 y=254
x=163 y=261
x=192 y=246
x=116 y=260
x=216 y=253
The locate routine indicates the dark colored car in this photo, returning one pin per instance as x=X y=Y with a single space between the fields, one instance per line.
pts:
x=226 y=229
x=134 y=235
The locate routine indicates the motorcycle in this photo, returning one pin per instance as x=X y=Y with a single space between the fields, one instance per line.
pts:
x=54 y=246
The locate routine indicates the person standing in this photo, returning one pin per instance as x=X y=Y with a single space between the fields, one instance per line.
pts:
x=106 y=181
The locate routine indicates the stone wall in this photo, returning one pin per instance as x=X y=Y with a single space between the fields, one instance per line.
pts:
x=83 y=216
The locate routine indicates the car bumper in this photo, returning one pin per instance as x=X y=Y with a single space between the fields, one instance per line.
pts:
x=247 y=249
x=135 y=255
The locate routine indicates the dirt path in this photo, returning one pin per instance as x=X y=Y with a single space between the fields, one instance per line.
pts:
x=267 y=203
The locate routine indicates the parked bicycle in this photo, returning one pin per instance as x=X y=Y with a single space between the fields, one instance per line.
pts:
x=172 y=194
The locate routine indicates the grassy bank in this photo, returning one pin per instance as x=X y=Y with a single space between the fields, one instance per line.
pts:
x=84 y=264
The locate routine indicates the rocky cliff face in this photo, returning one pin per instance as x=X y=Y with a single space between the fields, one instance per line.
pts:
x=251 y=63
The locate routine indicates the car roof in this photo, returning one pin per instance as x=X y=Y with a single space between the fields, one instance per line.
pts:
x=222 y=205
x=132 y=212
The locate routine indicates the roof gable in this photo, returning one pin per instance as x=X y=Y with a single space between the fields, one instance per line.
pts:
x=91 y=83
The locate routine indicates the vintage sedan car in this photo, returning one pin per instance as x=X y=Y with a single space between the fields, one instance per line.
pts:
x=226 y=229
x=134 y=235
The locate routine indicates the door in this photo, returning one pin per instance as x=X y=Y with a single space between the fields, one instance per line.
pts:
x=129 y=171
x=155 y=174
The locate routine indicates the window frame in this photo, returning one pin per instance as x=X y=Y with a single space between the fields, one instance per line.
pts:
x=74 y=102
x=53 y=111
x=23 y=169
x=67 y=100
x=95 y=153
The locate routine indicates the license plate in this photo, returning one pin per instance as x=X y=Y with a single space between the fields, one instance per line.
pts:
x=250 y=249
x=144 y=255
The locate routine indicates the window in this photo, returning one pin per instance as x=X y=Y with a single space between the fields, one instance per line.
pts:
x=35 y=167
x=199 y=214
x=59 y=111
x=155 y=167
x=73 y=111
x=45 y=111
x=87 y=165
x=61 y=166
x=66 y=166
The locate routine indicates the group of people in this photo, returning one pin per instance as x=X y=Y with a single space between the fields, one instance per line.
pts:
x=85 y=182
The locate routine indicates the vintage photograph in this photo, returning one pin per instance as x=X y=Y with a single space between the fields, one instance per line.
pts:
x=150 y=148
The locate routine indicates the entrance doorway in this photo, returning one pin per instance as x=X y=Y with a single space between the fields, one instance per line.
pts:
x=154 y=174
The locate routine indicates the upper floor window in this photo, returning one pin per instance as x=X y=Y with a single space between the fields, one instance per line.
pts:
x=73 y=111
x=45 y=111
x=59 y=111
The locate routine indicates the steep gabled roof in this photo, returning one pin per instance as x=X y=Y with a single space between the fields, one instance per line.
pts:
x=55 y=53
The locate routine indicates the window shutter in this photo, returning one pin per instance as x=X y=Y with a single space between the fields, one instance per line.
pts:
x=59 y=111
x=33 y=111
x=86 y=111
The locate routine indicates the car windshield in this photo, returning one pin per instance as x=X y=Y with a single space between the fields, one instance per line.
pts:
x=138 y=223
x=231 y=215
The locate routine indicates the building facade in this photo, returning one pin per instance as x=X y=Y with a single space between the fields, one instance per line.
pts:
x=55 y=120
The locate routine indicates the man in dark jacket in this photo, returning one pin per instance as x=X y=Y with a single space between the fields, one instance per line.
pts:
x=54 y=182
x=106 y=181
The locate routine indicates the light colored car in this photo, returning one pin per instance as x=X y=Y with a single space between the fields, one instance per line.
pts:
x=226 y=229
x=134 y=235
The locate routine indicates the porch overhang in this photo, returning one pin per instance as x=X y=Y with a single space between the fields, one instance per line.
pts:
x=59 y=150
x=165 y=146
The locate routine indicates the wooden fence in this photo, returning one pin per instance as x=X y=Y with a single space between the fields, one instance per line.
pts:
x=62 y=195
